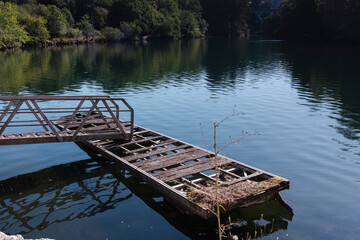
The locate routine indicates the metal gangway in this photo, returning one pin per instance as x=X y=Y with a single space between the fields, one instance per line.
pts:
x=64 y=119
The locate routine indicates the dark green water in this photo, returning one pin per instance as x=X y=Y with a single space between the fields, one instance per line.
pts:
x=304 y=100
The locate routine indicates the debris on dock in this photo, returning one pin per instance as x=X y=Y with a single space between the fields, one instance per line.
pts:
x=230 y=195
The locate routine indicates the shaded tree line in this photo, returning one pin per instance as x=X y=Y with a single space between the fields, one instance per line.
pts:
x=36 y=21
x=315 y=20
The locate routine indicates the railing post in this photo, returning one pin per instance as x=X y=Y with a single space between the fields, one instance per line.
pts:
x=46 y=120
x=6 y=110
x=132 y=116
x=75 y=112
x=116 y=120
x=100 y=113
x=37 y=117
x=85 y=119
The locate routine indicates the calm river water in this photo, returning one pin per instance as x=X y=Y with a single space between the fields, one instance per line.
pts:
x=304 y=100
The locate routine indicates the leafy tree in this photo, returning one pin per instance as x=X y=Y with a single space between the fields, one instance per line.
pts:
x=56 y=21
x=159 y=18
x=68 y=16
x=86 y=27
x=112 y=34
x=100 y=15
x=189 y=24
x=74 y=33
x=35 y=27
x=169 y=27
x=194 y=6
x=12 y=34
x=130 y=30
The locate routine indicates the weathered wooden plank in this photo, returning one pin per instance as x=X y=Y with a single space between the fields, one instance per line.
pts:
x=169 y=160
x=141 y=132
x=49 y=137
x=189 y=169
x=134 y=141
x=255 y=174
x=89 y=121
x=167 y=142
x=153 y=153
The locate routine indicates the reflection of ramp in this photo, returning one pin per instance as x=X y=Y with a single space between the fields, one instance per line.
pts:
x=66 y=192
x=85 y=188
x=88 y=119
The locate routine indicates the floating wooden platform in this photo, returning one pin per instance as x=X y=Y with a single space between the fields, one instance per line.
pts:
x=176 y=168
x=182 y=172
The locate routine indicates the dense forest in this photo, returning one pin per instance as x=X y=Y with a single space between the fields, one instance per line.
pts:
x=30 y=22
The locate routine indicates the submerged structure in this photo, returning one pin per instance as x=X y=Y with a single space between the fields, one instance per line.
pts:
x=183 y=173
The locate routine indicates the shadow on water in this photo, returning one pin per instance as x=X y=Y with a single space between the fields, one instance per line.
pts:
x=83 y=189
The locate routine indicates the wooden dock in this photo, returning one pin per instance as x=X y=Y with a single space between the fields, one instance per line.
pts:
x=182 y=172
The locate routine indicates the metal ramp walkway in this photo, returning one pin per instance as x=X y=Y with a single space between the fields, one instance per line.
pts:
x=93 y=117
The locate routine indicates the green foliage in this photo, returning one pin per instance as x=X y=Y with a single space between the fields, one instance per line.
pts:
x=100 y=17
x=169 y=27
x=34 y=25
x=74 y=33
x=68 y=16
x=12 y=34
x=157 y=18
x=294 y=19
x=189 y=24
x=130 y=30
x=86 y=27
x=112 y=34
x=56 y=21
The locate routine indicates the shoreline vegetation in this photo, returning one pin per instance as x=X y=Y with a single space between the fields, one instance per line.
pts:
x=25 y=23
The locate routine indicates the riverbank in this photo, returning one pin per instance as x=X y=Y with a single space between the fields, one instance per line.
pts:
x=57 y=42
x=80 y=41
